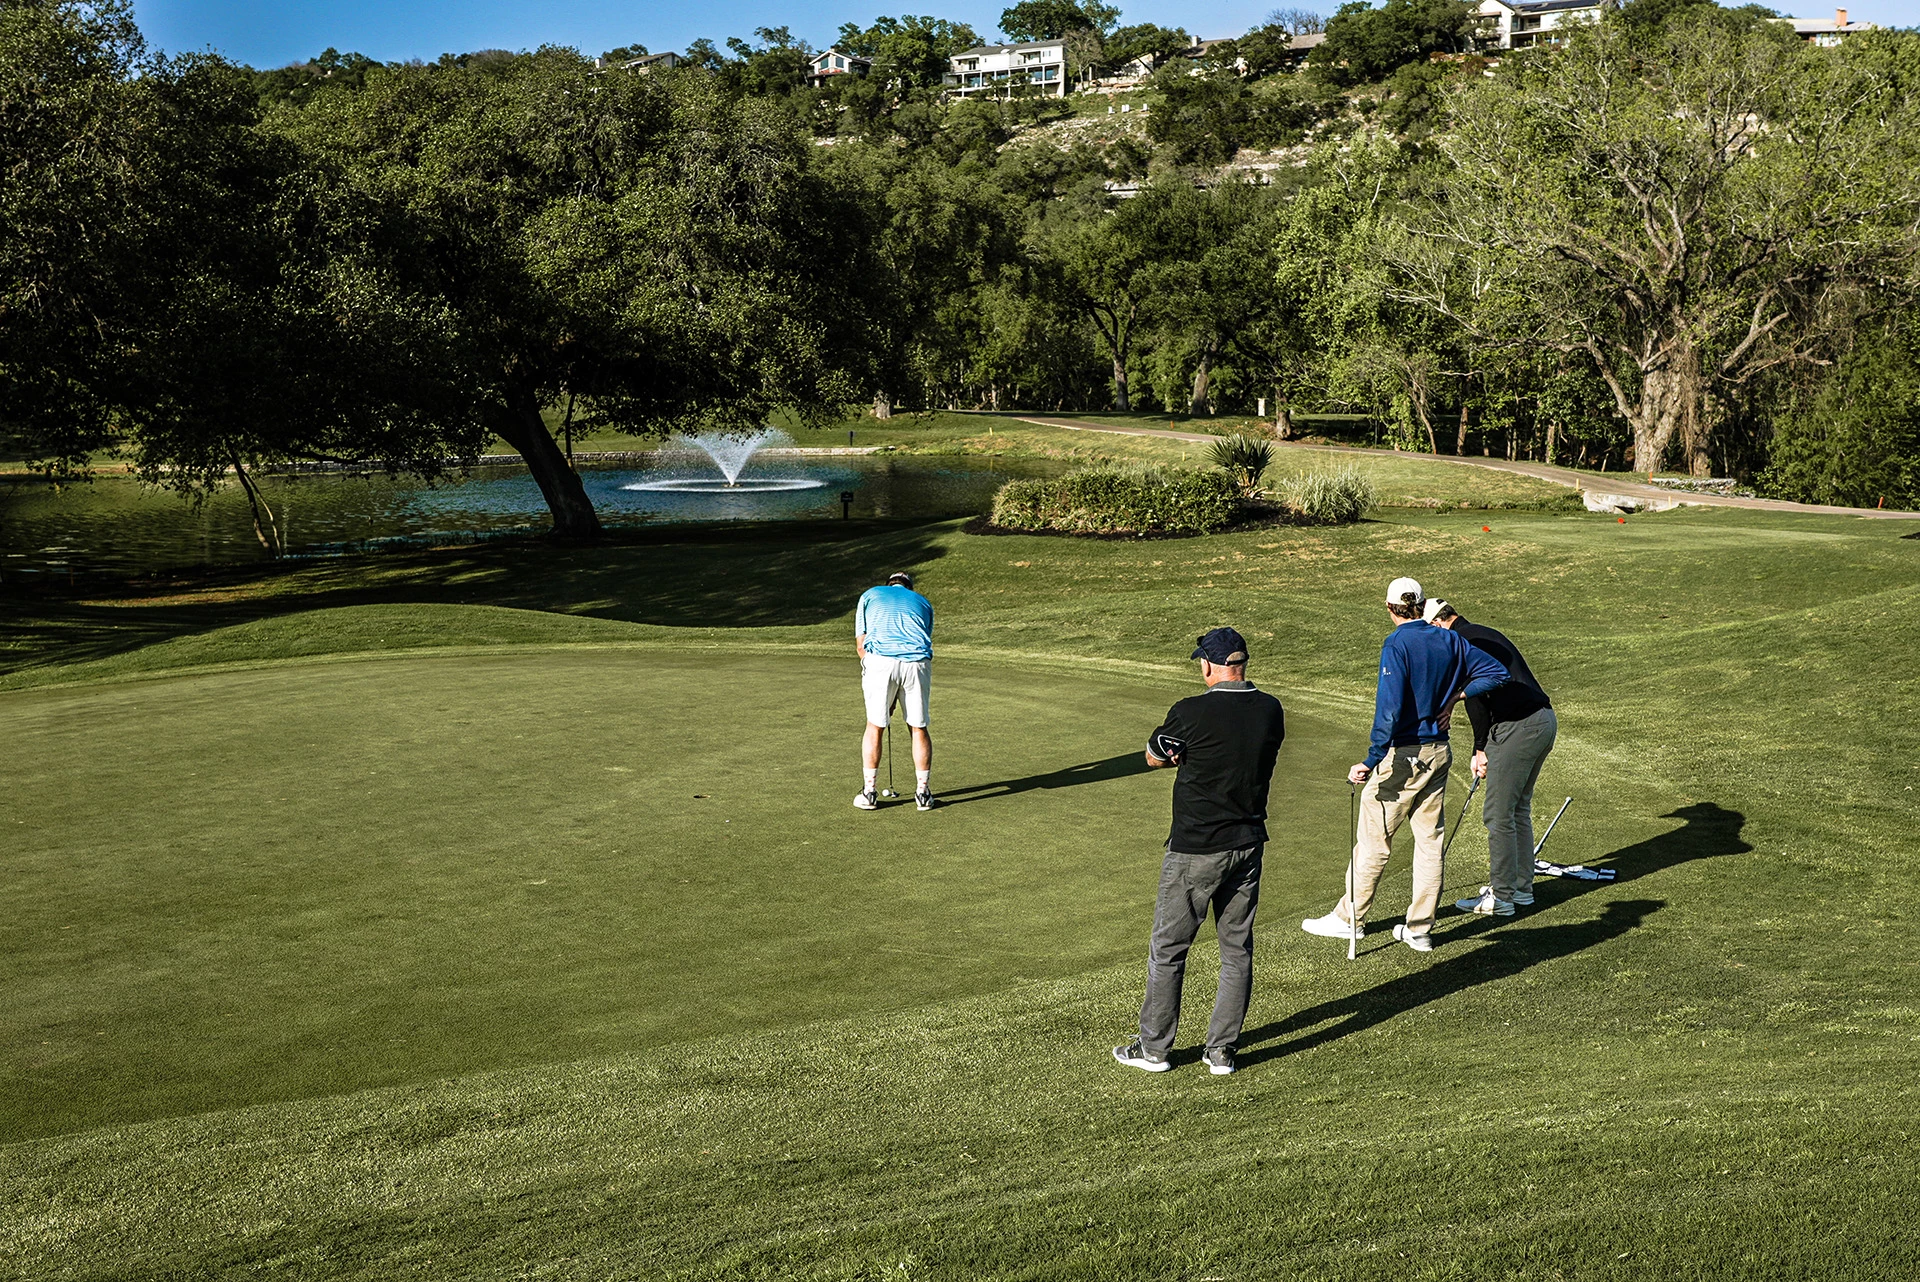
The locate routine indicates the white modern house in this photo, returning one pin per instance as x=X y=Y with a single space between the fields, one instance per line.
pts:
x=1516 y=24
x=837 y=62
x=992 y=69
x=1827 y=31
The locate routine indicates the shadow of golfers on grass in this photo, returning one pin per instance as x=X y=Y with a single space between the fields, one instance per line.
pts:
x=1506 y=955
x=1707 y=831
x=1130 y=763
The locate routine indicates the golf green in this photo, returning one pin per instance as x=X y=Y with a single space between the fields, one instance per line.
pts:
x=319 y=877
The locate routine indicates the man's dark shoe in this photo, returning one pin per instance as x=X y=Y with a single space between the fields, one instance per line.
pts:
x=1219 y=1061
x=925 y=800
x=1134 y=1055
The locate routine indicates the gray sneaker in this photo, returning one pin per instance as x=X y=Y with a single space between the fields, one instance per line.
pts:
x=1219 y=1061
x=1486 y=903
x=868 y=800
x=1134 y=1055
x=1523 y=898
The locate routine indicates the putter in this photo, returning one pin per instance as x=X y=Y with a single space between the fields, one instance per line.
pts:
x=888 y=732
x=1353 y=832
x=1542 y=843
x=1454 y=831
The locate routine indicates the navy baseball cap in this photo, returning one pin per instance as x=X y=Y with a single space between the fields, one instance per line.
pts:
x=900 y=577
x=1222 y=645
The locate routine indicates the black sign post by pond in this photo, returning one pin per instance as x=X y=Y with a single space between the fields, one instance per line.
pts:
x=846 y=504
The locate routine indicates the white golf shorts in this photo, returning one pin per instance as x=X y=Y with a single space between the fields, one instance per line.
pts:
x=884 y=680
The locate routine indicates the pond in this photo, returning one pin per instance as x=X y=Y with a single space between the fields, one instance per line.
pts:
x=116 y=525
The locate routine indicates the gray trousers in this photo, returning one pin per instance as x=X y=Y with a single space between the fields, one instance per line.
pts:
x=1515 y=752
x=1229 y=883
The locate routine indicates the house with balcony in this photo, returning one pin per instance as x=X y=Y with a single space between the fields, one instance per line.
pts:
x=1517 y=24
x=998 y=69
x=836 y=62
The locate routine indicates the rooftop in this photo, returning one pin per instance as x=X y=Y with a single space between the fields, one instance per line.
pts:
x=977 y=50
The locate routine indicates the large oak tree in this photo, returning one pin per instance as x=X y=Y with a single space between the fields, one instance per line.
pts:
x=1687 y=206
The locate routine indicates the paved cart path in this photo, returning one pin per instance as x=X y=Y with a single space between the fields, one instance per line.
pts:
x=1599 y=488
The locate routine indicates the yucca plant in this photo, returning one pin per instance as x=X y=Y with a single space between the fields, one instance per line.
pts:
x=1244 y=458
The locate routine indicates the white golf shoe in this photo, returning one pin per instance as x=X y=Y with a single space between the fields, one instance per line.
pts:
x=866 y=800
x=1486 y=904
x=1419 y=943
x=1332 y=926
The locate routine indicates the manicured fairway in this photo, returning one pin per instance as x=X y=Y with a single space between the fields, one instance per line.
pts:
x=359 y=927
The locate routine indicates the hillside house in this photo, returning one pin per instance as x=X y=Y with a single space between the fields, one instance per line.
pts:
x=995 y=69
x=1516 y=24
x=837 y=62
x=654 y=62
x=1827 y=32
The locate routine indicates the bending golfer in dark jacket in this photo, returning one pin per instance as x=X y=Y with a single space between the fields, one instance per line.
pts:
x=1224 y=742
x=1423 y=669
x=1513 y=731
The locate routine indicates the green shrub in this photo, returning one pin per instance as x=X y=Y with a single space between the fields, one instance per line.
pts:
x=1333 y=497
x=1244 y=458
x=1115 y=500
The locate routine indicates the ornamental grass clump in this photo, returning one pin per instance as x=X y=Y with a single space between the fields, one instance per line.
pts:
x=1120 y=500
x=1332 y=498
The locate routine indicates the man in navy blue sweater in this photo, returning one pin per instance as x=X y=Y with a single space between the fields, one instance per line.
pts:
x=1423 y=670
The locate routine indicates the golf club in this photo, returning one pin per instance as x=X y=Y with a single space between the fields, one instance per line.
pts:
x=1353 y=841
x=1454 y=831
x=888 y=735
x=1542 y=843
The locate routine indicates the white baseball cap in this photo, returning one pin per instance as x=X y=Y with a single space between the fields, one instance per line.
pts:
x=1434 y=606
x=1405 y=591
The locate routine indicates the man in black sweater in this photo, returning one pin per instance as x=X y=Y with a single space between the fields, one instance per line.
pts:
x=1513 y=731
x=1224 y=742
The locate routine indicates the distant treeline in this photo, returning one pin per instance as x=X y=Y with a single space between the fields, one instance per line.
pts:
x=1680 y=237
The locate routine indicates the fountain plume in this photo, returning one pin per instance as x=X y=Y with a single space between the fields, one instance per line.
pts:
x=732 y=451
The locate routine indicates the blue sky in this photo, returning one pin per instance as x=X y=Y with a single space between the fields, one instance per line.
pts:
x=272 y=33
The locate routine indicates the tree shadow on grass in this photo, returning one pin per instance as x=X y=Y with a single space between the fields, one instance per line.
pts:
x=1129 y=763
x=1708 y=831
x=794 y=574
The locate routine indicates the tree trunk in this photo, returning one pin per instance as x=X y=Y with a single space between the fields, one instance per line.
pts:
x=265 y=528
x=1120 y=385
x=1460 y=436
x=1666 y=402
x=1198 y=404
x=521 y=426
x=1549 y=451
x=1283 y=421
x=882 y=405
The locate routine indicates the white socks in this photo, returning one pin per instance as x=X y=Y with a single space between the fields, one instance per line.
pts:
x=873 y=779
x=923 y=781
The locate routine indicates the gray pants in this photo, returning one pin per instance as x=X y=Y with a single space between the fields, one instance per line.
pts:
x=1515 y=752
x=1229 y=883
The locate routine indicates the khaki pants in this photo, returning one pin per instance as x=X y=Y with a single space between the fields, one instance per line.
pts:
x=1410 y=784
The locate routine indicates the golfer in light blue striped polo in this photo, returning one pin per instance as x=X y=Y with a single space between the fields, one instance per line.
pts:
x=893 y=630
